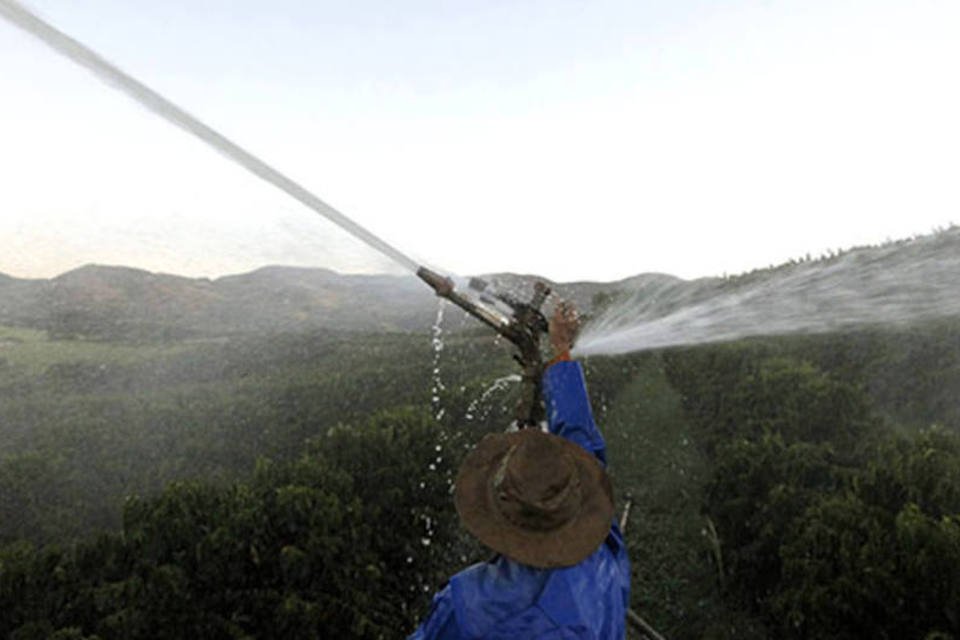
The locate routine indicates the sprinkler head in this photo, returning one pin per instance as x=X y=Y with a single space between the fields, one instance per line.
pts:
x=443 y=286
x=478 y=284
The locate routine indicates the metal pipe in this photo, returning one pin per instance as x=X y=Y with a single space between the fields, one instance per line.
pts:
x=445 y=288
x=625 y=518
x=641 y=625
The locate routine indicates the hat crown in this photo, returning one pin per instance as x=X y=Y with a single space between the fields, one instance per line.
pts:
x=537 y=484
x=538 y=504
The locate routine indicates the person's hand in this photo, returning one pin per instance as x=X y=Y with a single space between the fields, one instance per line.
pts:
x=564 y=326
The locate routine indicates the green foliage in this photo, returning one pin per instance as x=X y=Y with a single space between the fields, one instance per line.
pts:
x=829 y=524
x=734 y=393
x=80 y=435
x=652 y=459
x=864 y=563
x=329 y=545
x=781 y=487
x=758 y=490
x=923 y=469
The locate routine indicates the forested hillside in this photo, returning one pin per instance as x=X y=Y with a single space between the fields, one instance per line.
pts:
x=296 y=484
x=108 y=303
x=831 y=511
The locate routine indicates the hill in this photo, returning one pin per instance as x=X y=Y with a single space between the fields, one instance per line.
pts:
x=108 y=302
x=122 y=303
x=798 y=486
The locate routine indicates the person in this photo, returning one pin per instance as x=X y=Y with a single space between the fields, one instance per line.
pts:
x=543 y=503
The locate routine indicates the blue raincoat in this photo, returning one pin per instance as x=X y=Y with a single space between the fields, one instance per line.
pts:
x=505 y=600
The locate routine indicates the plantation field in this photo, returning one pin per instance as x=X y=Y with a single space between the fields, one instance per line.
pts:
x=738 y=458
x=31 y=351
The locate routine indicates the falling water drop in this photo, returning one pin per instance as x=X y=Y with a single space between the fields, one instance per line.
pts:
x=437 y=342
x=475 y=405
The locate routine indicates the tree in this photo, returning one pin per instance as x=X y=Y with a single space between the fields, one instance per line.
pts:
x=758 y=491
x=339 y=543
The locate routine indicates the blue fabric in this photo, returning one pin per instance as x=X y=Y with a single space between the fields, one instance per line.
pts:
x=503 y=599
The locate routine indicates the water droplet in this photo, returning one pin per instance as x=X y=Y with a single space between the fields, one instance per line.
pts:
x=425 y=542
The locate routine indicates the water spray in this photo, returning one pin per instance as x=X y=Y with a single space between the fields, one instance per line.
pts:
x=897 y=284
x=519 y=322
x=522 y=323
x=84 y=56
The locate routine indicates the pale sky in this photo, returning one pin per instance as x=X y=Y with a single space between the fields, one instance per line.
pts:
x=576 y=140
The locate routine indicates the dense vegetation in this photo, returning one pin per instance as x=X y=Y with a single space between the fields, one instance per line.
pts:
x=830 y=521
x=298 y=485
x=84 y=424
x=335 y=542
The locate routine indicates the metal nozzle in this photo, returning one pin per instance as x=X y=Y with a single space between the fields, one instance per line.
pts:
x=523 y=327
x=443 y=286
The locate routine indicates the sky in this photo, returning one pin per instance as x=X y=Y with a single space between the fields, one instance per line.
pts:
x=575 y=140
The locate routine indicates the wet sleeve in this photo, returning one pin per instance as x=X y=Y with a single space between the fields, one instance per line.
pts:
x=440 y=623
x=568 y=407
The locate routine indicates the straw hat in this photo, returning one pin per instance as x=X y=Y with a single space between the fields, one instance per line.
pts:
x=537 y=498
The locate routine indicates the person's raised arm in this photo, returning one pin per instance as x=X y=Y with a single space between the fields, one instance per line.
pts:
x=564 y=387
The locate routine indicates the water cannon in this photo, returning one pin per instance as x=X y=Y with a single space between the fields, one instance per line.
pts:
x=522 y=323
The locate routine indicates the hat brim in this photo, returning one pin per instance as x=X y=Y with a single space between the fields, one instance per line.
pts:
x=561 y=547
